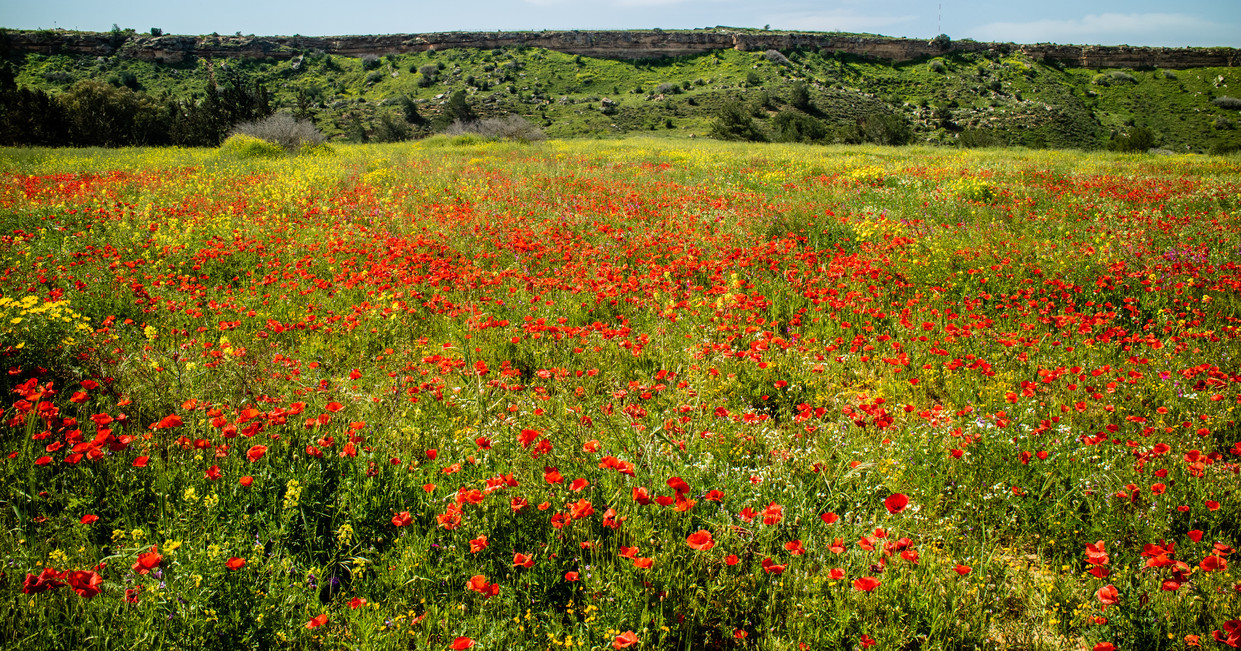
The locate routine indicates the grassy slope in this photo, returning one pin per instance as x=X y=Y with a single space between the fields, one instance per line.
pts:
x=1024 y=102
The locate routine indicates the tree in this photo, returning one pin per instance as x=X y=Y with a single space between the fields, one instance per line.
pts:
x=799 y=97
x=791 y=126
x=733 y=122
x=456 y=110
x=102 y=115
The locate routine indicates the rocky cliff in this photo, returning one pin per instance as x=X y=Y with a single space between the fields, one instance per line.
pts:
x=634 y=44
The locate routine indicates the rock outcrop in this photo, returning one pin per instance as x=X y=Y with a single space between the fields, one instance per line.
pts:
x=635 y=44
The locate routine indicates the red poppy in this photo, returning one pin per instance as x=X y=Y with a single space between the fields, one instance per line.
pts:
x=256 y=452
x=794 y=547
x=334 y=407
x=770 y=567
x=731 y=559
x=748 y=514
x=829 y=518
x=1213 y=563
x=866 y=641
x=148 y=561
x=551 y=475
x=168 y=422
x=866 y=584
x=1195 y=535
x=962 y=569
x=643 y=563
x=402 y=519
x=478 y=544
x=837 y=574
x=740 y=634
x=1108 y=595
x=773 y=514
x=578 y=484
x=896 y=502
x=677 y=484
x=213 y=473
x=462 y=643
x=357 y=602
x=89 y=518
x=84 y=582
x=48 y=579
x=140 y=462
x=522 y=560
x=1212 y=505
x=478 y=583
x=571 y=576
x=700 y=540
x=1104 y=646
x=625 y=640
x=317 y=621
x=246 y=481
x=235 y=563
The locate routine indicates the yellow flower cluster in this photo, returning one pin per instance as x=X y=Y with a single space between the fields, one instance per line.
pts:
x=27 y=321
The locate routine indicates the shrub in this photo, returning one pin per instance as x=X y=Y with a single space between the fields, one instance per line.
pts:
x=977 y=138
x=752 y=79
x=240 y=145
x=667 y=89
x=427 y=75
x=776 y=57
x=509 y=127
x=881 y=129
x=938 y=66
x=1137 y=140
x=734 y=122
x=370 y=62
x=1227 y=102
x=791 y=126
x=283 y=130
x=1113 y=77
x=799 y=97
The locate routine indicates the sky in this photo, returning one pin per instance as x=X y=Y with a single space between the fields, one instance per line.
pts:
x=1196 y=23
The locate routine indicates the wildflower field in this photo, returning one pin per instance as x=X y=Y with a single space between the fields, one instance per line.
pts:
x=609 y=395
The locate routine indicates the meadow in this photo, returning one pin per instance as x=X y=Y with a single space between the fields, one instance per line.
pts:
x=619 y=394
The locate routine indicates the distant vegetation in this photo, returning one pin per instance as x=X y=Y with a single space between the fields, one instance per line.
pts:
x=982 y=99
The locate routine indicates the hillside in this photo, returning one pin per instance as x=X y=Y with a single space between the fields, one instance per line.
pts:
x=972 y=94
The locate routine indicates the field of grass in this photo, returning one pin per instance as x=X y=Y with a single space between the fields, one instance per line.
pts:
x=621 y=394
x=1008 y=98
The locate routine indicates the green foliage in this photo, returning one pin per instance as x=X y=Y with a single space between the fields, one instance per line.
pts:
x=244 y=147
x=734 y=122
x=794 y=126
x=799 y=97
x=524 y=81
x=1134 y=140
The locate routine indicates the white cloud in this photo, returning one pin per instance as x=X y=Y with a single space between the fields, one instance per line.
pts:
x=1110 y=28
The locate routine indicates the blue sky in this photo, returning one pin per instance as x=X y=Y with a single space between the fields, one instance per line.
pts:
x=1132 y=22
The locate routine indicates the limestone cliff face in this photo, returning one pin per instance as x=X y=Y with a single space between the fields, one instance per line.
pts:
x=603 y=44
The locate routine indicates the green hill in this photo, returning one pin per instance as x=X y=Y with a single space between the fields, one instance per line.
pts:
x=973 y=98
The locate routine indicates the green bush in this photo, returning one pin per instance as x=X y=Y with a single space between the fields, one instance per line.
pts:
x=734 y=122
x=239 y=145
x=1227 y=102
x=1136 y=140
x=792 y=126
